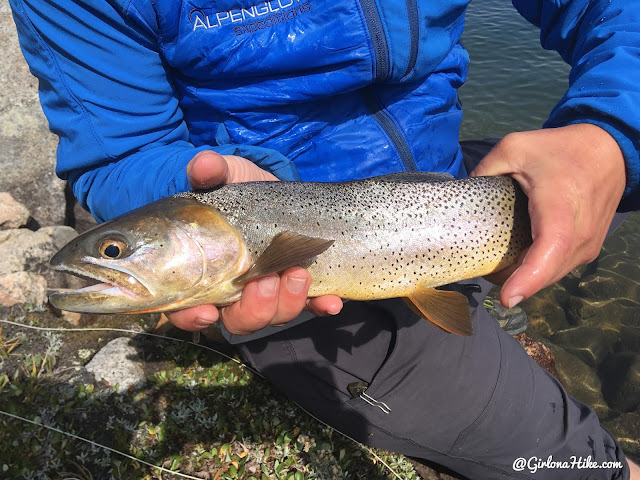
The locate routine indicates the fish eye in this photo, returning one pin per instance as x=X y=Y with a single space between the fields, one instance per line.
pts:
x=112 y=248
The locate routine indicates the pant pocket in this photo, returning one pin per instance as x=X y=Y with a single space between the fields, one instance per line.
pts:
x=327 y=355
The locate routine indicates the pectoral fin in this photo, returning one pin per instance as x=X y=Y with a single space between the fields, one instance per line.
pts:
x=286 y=250
x=448 y=310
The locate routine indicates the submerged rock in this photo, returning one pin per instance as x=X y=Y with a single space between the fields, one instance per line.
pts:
x=607 y=313
x=626 y=428
x=629 y=339
x=590 y=344
x=546 y=313
x=620 y=375
x=618 y=264
x=580 y=381
x=116 y=364
x=12 y=213
x=606 y=285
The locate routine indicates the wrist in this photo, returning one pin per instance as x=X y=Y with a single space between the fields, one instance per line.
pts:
x=608 y=150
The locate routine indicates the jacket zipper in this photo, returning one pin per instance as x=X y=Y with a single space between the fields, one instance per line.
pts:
x=389 y=127
x=414 y=26
x=378 y=38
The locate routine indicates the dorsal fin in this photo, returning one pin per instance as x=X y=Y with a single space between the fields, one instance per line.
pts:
x=414 y=177
x=286 y=250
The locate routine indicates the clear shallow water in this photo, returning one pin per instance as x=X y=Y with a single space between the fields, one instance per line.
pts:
x=592 y=323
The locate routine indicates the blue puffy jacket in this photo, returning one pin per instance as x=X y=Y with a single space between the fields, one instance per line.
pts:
x=305 y=88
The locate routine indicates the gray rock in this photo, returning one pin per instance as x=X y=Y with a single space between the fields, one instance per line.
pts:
x=83 y=220
x=27 y=152
x=546 y=313
x=12 y=213
x=22 y=287
x=116 y=363
x=26 y=251
x=8 y=235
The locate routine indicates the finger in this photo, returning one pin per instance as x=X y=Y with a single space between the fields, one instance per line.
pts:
x=243 y=170
x=503 y=275
x=491 y=165
x=292 y=295
x=507 y=157
x=547 y=260
x=256 y=308
x=325 y=305
x=194 y=318
x=207 y=169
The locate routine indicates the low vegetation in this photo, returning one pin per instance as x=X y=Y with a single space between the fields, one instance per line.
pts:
x=200 y=414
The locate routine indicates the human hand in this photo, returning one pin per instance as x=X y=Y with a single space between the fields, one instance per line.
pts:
x=208 y=169
x=269 y=300
x=574 y=177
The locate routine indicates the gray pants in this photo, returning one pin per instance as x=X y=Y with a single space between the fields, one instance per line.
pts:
x=389 y=379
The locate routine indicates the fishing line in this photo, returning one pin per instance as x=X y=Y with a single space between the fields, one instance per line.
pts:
x=136 y=332
x=122 y=330
x=78 y=437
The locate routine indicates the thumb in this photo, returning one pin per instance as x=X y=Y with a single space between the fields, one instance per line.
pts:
x=502 y=159
x=207 y=169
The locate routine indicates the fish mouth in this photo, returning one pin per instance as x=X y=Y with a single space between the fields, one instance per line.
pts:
x=114 y=289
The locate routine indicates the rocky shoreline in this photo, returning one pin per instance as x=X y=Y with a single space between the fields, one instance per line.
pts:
x=25 y=251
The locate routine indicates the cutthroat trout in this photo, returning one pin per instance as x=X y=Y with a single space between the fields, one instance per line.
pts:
x=399 y=235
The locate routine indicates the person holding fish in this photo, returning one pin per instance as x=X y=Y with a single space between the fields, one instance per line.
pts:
x=151 y=99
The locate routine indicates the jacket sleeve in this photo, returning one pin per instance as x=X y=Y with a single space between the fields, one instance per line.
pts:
x=107 y=94
x=600 y=39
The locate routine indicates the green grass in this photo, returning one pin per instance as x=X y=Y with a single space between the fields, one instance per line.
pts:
x=199 y=414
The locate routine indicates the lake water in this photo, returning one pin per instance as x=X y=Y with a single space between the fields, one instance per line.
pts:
x=513 y=83
x=591 y=323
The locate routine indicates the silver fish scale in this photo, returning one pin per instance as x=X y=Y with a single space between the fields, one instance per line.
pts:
x=389 y=236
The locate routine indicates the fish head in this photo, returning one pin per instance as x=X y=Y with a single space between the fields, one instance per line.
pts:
x=170 y=254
